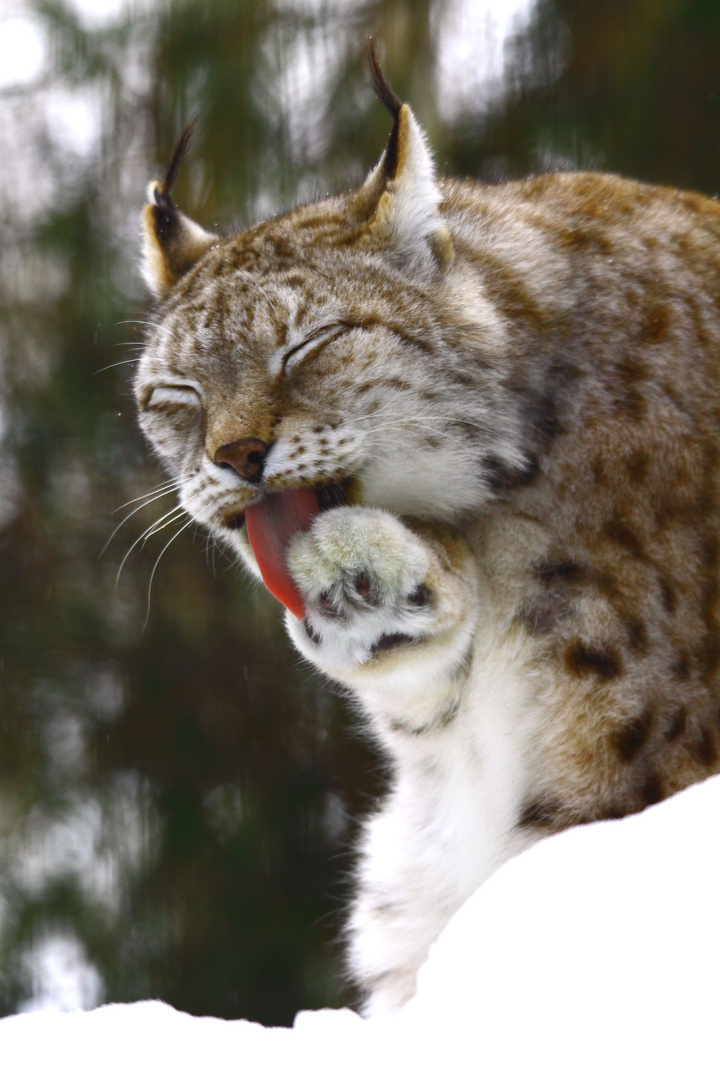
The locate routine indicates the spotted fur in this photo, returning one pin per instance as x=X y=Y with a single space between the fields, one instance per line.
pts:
x=515 y=390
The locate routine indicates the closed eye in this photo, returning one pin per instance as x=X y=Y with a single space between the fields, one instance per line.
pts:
x=317 y=340
x=170 y=396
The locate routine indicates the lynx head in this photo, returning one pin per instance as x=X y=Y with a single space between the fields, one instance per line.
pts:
x=323 y=350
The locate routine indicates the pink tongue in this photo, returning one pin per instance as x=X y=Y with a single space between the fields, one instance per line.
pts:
x=271 y=525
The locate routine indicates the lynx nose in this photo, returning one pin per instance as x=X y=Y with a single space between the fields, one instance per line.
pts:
x=246 y=457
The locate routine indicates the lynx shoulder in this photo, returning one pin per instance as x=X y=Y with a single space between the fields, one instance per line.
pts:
x=470 y=436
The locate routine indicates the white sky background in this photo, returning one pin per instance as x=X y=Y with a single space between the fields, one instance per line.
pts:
x=23 y=48
x=473 y=34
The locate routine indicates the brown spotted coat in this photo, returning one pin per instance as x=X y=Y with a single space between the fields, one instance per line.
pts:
x=517 y=390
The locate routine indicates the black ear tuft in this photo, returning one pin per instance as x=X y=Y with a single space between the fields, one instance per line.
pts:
x=392 y=103
x=166 y=213
x=172 y=243
x=399 y=203
x=379 y=83
x=182 y=148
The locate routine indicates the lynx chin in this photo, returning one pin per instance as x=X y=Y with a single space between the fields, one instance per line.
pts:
x=470 y=436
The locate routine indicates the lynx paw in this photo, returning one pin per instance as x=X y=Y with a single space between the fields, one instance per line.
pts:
x=362 y=576
x=374 y=592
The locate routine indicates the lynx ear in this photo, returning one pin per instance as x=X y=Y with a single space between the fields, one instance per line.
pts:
x=172 y=243
x=399 y=200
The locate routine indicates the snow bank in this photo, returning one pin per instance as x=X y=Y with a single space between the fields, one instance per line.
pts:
x=594 y=954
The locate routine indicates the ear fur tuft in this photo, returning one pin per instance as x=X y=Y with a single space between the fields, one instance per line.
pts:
x=379 y=82
x=392 y=103
x=400 y=199
x=172 y=243
x=180 y=152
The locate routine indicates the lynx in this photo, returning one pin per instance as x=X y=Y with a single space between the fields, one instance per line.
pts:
x=469 y=435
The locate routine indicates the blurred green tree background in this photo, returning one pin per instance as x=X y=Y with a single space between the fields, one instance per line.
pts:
x=178 y=794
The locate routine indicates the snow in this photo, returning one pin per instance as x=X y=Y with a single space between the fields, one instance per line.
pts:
x=594 y=954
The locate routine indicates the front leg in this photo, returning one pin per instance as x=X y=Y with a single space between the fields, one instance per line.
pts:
x=390 y=613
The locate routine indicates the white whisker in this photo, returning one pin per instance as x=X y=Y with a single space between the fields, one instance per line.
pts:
x=165 y=488
x=152 y=498
x=160 y=525
x=152 y=575
x=119 y=363
x=150 y=531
